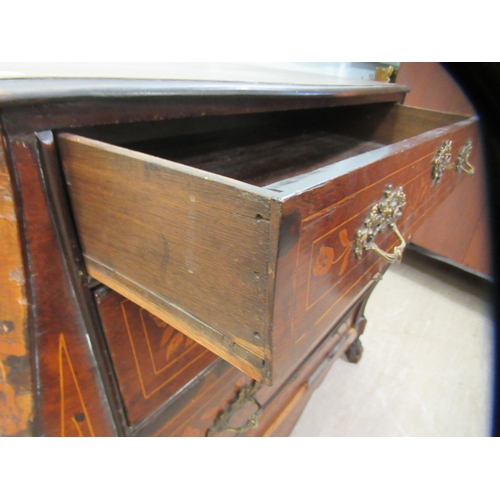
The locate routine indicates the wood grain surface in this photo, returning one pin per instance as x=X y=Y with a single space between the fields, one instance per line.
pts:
x=70 y=399
x=16 y=389
x=149 y=227
x=261 y=156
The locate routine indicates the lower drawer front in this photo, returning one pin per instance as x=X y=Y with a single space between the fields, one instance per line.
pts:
x=172 y=386
x=152 y=360
x=225 y=403
x=282 y=413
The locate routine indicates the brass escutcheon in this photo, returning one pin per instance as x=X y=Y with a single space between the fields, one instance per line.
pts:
x=462 y=162
x=441 y=161
x=383 y=214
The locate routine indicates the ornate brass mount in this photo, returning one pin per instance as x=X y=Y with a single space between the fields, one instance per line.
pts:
x=383 y=214
x=462 y=162
x=441 y=161
x=223 y=421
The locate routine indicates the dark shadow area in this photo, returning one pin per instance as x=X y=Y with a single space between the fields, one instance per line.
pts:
x=481 y=84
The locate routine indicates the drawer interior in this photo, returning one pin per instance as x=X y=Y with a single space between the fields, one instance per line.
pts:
x=258 y=157
x=263 y=149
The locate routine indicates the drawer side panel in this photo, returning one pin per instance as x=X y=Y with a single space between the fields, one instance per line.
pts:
x=178 y=242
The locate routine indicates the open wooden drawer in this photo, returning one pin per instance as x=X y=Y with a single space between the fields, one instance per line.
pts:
x=253 y=239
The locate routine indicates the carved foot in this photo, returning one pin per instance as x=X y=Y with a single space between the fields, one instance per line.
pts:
x=354 y=351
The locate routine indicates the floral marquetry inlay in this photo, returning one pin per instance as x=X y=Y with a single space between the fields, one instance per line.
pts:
x=333 y=246
x=159 y=350
x=324 y=261
x=153 y=360
x=331 y=256
x=326 y=256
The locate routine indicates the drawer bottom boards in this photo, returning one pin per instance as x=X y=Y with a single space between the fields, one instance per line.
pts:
x=172 y=386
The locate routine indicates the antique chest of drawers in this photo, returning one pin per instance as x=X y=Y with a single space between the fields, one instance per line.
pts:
x=191 y=256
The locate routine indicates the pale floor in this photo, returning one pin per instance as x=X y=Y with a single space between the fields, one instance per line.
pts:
x=426 y=369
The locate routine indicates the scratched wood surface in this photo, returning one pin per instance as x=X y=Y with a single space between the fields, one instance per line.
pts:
x=16 y=391
x=71 y=400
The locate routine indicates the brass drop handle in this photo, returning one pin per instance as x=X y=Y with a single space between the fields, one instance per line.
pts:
x=397 y=254
x=382 y=215
x=245 y=395
x=462 y=162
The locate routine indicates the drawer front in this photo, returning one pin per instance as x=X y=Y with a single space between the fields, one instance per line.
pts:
x=157 y=366
x=152 y=360
x=223 y=402
x=257 y=275
x=318 y=240
x=282 y=413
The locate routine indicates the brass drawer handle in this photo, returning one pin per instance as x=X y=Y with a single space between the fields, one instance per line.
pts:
x=245 y=395
x=441 y=161
x=462 y=162
x=397 y=254
x=383 y=214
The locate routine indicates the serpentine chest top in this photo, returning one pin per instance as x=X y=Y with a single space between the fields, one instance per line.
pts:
x=190 y=257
